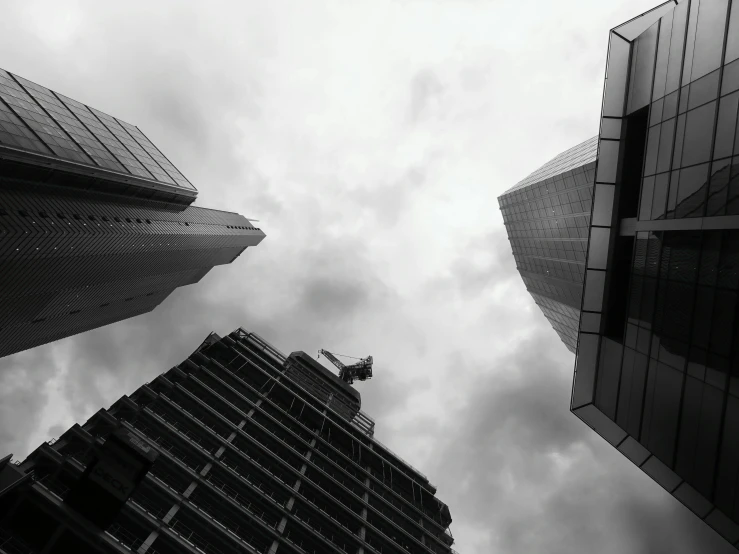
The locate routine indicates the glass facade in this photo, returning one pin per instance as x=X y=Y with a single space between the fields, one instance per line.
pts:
x=657 y=370
x=83 y=248
x=547 y=216
x=255 y=452
x=36 y=120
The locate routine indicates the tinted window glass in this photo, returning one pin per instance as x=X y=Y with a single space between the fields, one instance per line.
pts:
x=663 y=51
x=676 y=47
x=660 y=195
x=643 y=68
x=703 y=90
x=698 y=134
x=691 y=191
x=709 y=37
x=732 y=41
x=726 y=125
x=645 y=209
x=650 y=164
x=730 y=80
x=665 y=145
x=720 y=172
x=670 y=109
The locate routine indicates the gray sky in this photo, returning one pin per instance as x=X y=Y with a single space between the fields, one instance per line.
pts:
x=371 y=140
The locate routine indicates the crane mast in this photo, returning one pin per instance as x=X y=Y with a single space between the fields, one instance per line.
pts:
x=361 y=370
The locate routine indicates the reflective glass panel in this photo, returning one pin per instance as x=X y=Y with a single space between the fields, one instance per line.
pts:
x=642 y=68
x=709 y=37
x=732 y=39
x=698 y=135
x=727 y=116
x=677 y=40
x=663 y=52
x=692 y=191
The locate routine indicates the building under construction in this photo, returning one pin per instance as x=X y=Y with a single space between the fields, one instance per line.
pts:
x=237 y=449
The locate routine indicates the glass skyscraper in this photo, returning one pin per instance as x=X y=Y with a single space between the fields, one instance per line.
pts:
x=547 y=216
x=657 y=370
x=96 y=225
x=237 y=449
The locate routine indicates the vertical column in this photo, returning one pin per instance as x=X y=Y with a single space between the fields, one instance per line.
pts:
x=365 y=498
x=291 y=501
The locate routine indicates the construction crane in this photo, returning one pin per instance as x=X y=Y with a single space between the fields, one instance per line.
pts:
x=361 y=370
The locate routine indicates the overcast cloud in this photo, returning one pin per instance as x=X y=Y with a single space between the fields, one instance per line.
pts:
x=371 y=139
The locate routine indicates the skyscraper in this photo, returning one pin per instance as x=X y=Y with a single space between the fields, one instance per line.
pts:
x=237 y=449
x=96 y=225
x=547 y=215
x=657 y=369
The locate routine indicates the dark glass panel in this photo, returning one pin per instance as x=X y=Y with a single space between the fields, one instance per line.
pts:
x=722 y=322
x=661 y=186
x=689 y=425
x=654 y=252
x=730 y=79
x=645 y=431
x=697 y=363
x=726 y=126
x=684 y=96
x=650 y=165
x=642 y=68
x=702 y=316
x=636 y=396
x=643 y=338
x=655 y=112
x=665 y=145
x=632 y=331
x=663 y=424
x=624 y=395
x=732 y=201
x=690 y=42
x=725 y=488
x=710 y=252
x=703 y=90
x=677 y=315
x=720 y=173
x=709 y=37
x=679 y=139
x=717 y=368
x=635 y=295
x=585 y=369
x=677 y=41
x=663 y=51
x=646 y=314
x=691 y=196
x=732 y=40
x=645 y=208
x=698 y=135
x=670 y=108
x=728 y=269
x=609 y=371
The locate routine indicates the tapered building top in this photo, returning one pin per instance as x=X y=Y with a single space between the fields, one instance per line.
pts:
x=546 y=216
x=96 y=224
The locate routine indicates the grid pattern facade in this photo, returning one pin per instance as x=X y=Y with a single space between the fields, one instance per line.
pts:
x=249 y=461
x=657 y=361
x=547 y=216
x=69 y=264
x=39 y=120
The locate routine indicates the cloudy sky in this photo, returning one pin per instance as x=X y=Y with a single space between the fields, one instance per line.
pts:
x=371 y=140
